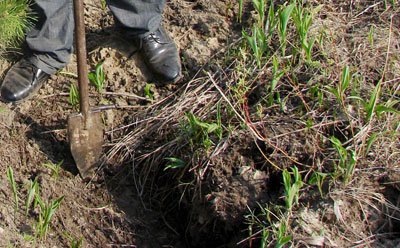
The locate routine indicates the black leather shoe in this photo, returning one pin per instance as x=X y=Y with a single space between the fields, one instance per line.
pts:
x=22 y=81
x=161 y=56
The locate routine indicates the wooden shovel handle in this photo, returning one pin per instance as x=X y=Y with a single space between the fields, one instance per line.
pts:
x=80 y=42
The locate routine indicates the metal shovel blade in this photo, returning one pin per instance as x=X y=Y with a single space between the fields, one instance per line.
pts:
x=85 y=143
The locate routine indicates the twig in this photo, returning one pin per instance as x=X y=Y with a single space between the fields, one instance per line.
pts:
x=368 y=8
x=129 y=95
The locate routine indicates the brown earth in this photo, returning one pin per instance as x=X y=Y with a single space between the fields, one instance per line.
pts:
x=106 y=212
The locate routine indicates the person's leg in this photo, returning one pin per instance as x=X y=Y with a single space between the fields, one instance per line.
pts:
x=138 y=17
x=50 y=41
x=141 y=21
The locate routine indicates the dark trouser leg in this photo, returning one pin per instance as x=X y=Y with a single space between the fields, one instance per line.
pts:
x=139 y=17
x=51 y=39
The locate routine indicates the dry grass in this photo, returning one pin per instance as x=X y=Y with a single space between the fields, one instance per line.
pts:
x=295 y=130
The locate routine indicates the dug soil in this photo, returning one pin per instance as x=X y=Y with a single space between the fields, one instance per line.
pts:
x=109 y=211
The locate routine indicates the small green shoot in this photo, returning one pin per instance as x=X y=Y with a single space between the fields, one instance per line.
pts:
x=372 y=107
x=47 y=211
x=292 y=185
x=219 y=130
x=55 y=168
x=371 y=104
x=347 y=161
x=258 y=43
x=97 y=77
x=103 y=4
x=13 y=184
x=148 y=91
x=284 y=17
x=271 y=21
x=371 y=35
x=33 y=189
x=240 y=15
x=282 y=237
x=199 y=131
x=276 y=76
x=370 y=142
x=77 y=243
x=73 y=96
x=302 y=19
x=264 y=237
x=174 y=163
x=259 y=39
x=392 y=3
x=260 y=6
x=344 y=83
x=318 y=179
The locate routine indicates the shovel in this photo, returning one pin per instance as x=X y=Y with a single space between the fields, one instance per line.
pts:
x=85 y=129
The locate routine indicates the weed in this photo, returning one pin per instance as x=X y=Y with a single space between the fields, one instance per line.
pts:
x=347 y=161
x=302 y=19
x=240 y=15
x=273 y=228
x=73 y=96
x=292 y=187
x=371 y=35
x=47 y=211
x=373 y=100
x=219 y=131
x=392 y=3
x=282 y=237
x=372 y=107
x=258 y=43
x=174 y=163
x=318 y=179
x=148 y=91
x=317 y=94
x=241 y=88
x=55 y=168
x=260 y=6
x=276 y=76
x=76 y=243
x=97 y=77
x=340 y=90
x=199 y=130
x=33 y=190
x=284 y=16
x=271 y=21
x=13 y=184
x=103 y=4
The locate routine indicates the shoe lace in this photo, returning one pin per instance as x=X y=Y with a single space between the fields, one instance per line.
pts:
x=152 y=37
